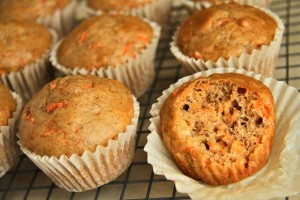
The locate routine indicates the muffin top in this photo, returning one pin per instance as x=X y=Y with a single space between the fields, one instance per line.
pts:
x=115 y=5
x=22 y=43
x=75 y=113
x=224 y=30
x=104 y=41
x=223 y=122
x=7 y=105
x=29 y=9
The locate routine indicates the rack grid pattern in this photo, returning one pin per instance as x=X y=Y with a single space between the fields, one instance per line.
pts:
x=25 y=181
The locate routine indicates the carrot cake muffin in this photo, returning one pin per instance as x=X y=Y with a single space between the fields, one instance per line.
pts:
x=24 y=49
x=222 y=127
x=75 y=119
x=123 y=44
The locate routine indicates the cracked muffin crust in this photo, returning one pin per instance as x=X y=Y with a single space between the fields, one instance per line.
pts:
x=222 y=127
x=75 y=113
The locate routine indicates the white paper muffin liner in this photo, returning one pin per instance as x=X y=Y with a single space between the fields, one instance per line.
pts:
x=193 y=6
x=279 y=178
x=262 y=61
x=62 y=20
x=157 y=11
x=92 y=169
x=136 y=73
x=31 y=77
x=8 y=142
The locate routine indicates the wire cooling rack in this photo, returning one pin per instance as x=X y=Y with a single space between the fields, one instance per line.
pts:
x=25 y=181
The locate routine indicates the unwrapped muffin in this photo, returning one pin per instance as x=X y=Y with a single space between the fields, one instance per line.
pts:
x=154 y=10
x=222 y=127
x=80 y=131
x=10 y=108
x=229 y=35
x=56 y=14
x=24 y=51
x=118 y=47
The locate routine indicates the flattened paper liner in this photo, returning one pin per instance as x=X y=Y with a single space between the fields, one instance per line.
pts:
x=92 y=169
x=8 y=142
x=62 y=20
x=32 y=77
x=193 y=6
x=137 y=73
x=279 y=178
x=262 y=61
x=157 y=11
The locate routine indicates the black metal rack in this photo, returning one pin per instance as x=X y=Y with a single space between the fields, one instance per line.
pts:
x=25 y=181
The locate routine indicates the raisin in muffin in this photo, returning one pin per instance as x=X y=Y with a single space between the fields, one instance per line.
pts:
x=222 y=127
x=80 y=119
x=119 y=47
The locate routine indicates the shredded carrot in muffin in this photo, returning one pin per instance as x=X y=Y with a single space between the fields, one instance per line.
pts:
x=56 y=105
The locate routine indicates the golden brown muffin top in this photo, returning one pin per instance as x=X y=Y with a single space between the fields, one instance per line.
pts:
x=115 y=5
x=224 y=30
x=221 y=123
x=214 y=1
x=7 y=105
x=75 y=113
x=22 y=43
x=29 y=9
x=104 y=41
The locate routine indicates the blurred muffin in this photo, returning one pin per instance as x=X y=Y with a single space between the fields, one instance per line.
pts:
x=118 y=47
x=56 y=14
x=10 y=107
x=225 y=126
x=194 y=5
x=24 y=50
x=154 y=10
x=229 y=35
x=84 y=121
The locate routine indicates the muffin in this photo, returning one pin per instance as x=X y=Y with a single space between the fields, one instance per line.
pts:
x=24 y=50
x=56 y=14
x=154 y=10
x=222 y=127
x=229 y=35
x=10 y=107
x=202 y=4
x=118 y=47
x=86 y=122
x=272 y=181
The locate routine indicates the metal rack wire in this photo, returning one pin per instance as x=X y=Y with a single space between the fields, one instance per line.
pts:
x=25 y=181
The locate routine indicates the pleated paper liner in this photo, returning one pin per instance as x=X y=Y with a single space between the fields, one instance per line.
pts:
x=157 y=11
x=92 y=169
x=8 y=143
x=279 y=178
x=136 y=73
x=261 y=61
x=32 y=77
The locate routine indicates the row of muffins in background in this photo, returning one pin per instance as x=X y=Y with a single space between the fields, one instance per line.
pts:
x=132 y=54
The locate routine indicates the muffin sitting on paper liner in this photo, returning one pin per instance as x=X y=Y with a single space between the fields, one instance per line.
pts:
x=229 y=35
x=24 y=52
x=117 y=47
x=194 y=5
x=56 y=14
x=10 y=108
x=80 y=131
x=274 y=180
x=154 y=10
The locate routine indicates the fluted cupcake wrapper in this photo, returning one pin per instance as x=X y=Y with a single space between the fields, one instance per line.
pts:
x=92 y=169
x=193 y=6
x=262 y=61
x=157 y=11
x=136 y=73
x=8 y=145
x=32 y=77
x=62 y=20
x=279 y=178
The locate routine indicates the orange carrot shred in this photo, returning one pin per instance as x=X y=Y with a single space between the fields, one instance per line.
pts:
x=197 y=55
x=127 y=47
x=56 y=105
x=83 y=37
